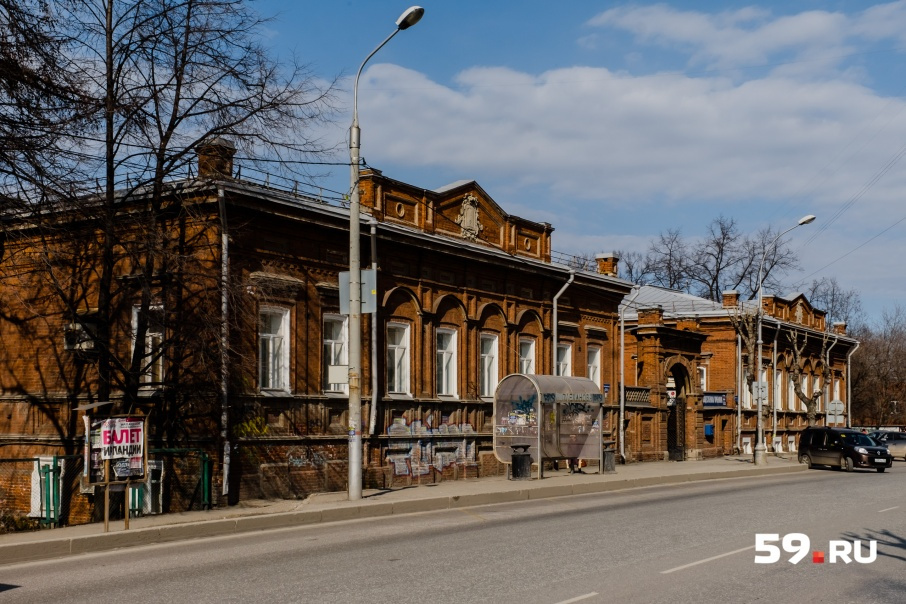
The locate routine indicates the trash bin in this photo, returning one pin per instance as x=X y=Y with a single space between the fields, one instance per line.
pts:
x=521 y=463
x=610 y=466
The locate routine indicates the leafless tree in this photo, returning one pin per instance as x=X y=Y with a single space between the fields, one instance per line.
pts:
x=878 y=373
x=39 y=97
x=668 y=259
x=634 y=267
x=158 y=78
x=841 y=305
x=801 y=344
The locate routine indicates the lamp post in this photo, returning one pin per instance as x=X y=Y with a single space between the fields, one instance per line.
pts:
x=409 y=18
x=760 y=450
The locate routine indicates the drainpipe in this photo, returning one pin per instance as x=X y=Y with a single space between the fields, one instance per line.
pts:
x=622 y=429
x=224 y=341
x=849 y=418
x=739 y=394
x=572 y=275
x=374 y=333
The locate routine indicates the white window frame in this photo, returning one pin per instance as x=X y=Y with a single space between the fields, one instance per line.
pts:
x=273 y=351
x=152 y=367
x=747 y=398
x=334 y=351
x=398 y=355
x=703 y=378
x=564 y=366
x=527 y=356
x=805 y=391
x=778 y=389
x=489 y=373
x=593 y=364
x=792 y=399
x=446 y=363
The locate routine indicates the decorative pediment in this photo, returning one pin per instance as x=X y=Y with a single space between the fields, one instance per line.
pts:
x=795 y=308
x=461 y=210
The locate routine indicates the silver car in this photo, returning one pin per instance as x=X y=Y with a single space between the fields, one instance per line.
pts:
x=894 y=441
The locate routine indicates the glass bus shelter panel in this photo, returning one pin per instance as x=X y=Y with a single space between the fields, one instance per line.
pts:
x=580 y=429
x=516 y=418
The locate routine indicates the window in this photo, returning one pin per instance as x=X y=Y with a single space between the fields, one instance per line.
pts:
x=526 y=356
x=702 y=378
x=334 y=350
x=446 y=362
x=805 y=391
x=791 y=397
x=397 y=358
x=594 y=364
x=273 y=351
x=151 y=365
x=778 y=389
x=564 y=360
x=488 y=374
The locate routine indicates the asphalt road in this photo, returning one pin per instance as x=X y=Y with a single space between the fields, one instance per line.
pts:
x=686 y=543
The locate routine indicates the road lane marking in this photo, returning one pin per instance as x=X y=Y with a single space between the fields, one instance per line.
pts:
x=667 y=572
x=579 y=598
x=889 y=509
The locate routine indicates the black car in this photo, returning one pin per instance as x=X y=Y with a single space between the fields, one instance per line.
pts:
x=842 y=448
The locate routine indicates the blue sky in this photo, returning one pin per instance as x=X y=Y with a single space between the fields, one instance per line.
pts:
x=617 y=121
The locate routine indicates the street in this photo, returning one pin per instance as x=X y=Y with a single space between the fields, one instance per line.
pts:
x=686 y=543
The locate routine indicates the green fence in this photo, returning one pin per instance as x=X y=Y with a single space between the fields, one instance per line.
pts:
x=50 y=491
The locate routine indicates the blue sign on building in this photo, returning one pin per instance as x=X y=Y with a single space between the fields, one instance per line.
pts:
x=714 y=399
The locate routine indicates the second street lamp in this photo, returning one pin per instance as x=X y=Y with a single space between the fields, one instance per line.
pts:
x=410 y=17
x=758 y=386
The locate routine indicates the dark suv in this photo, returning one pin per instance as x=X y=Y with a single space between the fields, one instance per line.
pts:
x=846 y=449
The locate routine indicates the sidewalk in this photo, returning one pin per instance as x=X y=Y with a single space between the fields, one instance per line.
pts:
x=330 y=507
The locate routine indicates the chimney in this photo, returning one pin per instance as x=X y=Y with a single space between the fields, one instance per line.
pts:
x=215 y=158
x=839 y=327
x=731 y=299
x=607 y=263
x=651 y=316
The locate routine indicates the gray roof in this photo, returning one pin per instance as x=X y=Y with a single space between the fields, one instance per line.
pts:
x=674 y=303
x=451 y=186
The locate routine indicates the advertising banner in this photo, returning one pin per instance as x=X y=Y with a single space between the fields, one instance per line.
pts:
x=119 y=441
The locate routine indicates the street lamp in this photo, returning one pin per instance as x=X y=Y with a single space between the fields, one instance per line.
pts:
x=760 y=449
x=409 y=18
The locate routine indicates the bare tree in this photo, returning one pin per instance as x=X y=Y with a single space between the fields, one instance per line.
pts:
x=878 y=374
x=634 y=267
x=667 y=259
x=159 y=78
x=841 y=305
x=39 y=97
x=714 y=263
x=799 y=343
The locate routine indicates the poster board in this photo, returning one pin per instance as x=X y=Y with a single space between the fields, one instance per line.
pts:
x=116 y=445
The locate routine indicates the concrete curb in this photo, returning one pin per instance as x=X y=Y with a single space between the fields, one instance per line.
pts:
x=46 y=549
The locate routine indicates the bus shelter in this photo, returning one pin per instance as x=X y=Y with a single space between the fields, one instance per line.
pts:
x=549 y=417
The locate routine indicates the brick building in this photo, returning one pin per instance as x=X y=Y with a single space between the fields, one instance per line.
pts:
x=225 y=330
x=685 y=366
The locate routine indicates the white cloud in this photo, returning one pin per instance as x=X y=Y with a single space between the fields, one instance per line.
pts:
x=612 y=158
